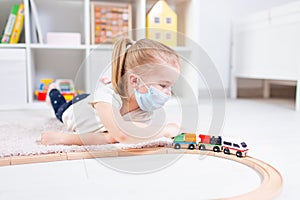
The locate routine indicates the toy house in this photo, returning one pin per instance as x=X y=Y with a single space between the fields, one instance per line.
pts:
x=161 y=24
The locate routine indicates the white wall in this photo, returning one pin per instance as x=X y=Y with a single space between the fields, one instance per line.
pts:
x=215 y=27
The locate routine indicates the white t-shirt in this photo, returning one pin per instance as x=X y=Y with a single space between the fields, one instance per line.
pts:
x=81 y=117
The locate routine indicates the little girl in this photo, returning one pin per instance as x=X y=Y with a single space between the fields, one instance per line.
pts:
x=143 y=73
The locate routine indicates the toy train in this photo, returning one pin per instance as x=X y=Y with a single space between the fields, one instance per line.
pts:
x=213 y=143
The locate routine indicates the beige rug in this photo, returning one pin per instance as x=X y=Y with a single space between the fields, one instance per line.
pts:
x=20 y=138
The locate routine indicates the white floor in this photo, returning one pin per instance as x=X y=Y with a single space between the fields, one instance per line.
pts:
x=270 y=127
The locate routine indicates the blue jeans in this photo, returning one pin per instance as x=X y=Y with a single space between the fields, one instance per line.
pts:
x=59 y=103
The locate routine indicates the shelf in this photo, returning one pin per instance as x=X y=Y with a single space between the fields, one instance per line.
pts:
x=12 y=46
x=110 y=47
x=83 y=62
x=263 y=76
x=48 y=46
x=102 y=47
x=118 y=1
x=170 y=2
x=182 y=49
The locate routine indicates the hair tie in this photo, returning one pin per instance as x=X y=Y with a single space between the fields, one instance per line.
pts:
x=130 y=44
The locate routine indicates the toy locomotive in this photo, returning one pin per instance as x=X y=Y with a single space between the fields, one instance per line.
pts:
x=213 y=143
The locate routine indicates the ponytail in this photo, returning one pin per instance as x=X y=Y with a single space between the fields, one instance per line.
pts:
x=128 y=55
x=118 y=64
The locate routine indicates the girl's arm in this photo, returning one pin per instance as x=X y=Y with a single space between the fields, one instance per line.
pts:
x=131 y=132
x=51 y=138
x=118 y=131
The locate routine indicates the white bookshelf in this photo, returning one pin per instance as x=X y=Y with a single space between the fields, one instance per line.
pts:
x=12 y=46
x=84 y=61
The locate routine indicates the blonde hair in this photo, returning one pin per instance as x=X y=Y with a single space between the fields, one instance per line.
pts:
x=127 y=55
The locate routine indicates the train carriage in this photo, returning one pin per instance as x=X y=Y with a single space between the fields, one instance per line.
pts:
x=185 y=140
x=234 y=146
x=212 y=143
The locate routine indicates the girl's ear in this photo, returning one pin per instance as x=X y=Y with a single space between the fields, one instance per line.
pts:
x=133 y=81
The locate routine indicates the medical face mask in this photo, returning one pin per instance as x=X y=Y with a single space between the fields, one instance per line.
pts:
x=151 y=100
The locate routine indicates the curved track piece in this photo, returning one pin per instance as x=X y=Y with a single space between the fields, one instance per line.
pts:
x=271 y=179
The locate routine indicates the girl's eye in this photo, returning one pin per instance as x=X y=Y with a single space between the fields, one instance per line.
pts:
x=165 y=86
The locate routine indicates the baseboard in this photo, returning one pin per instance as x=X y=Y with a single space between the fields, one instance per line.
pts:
x=277 y=91
x=250 y=93
x=29 y=106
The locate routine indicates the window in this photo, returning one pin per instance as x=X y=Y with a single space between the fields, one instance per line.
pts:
x=168 y=36
x=156 y=20
x=236 y=145
x=227 y=143
x=157 y=36
x=168 y=20
x=216 y=140
x=244 y=144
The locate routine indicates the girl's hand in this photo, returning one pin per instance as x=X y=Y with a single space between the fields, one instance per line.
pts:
x=172 y=130
x=51 y=137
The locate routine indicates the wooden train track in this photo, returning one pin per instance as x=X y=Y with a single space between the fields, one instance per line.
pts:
x=271 y=179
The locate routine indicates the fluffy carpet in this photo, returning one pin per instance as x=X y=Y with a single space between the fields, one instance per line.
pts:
x=20 y=138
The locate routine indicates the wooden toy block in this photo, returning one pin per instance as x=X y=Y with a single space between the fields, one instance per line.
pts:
x=197 y=152
x=5 y=161
x=17 y=160
x=91 y=154
x=78 y=155
x=143 y=151
x=103 y=154
x=177 y=151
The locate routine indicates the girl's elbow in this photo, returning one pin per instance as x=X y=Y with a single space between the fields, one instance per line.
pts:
x=120 y=137
x=126 y=139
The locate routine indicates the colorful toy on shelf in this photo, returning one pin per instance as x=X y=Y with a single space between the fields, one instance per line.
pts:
x=161 y=24
x=109 y=20
x=213 y=143
x=42 y=92
x=66 y=87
